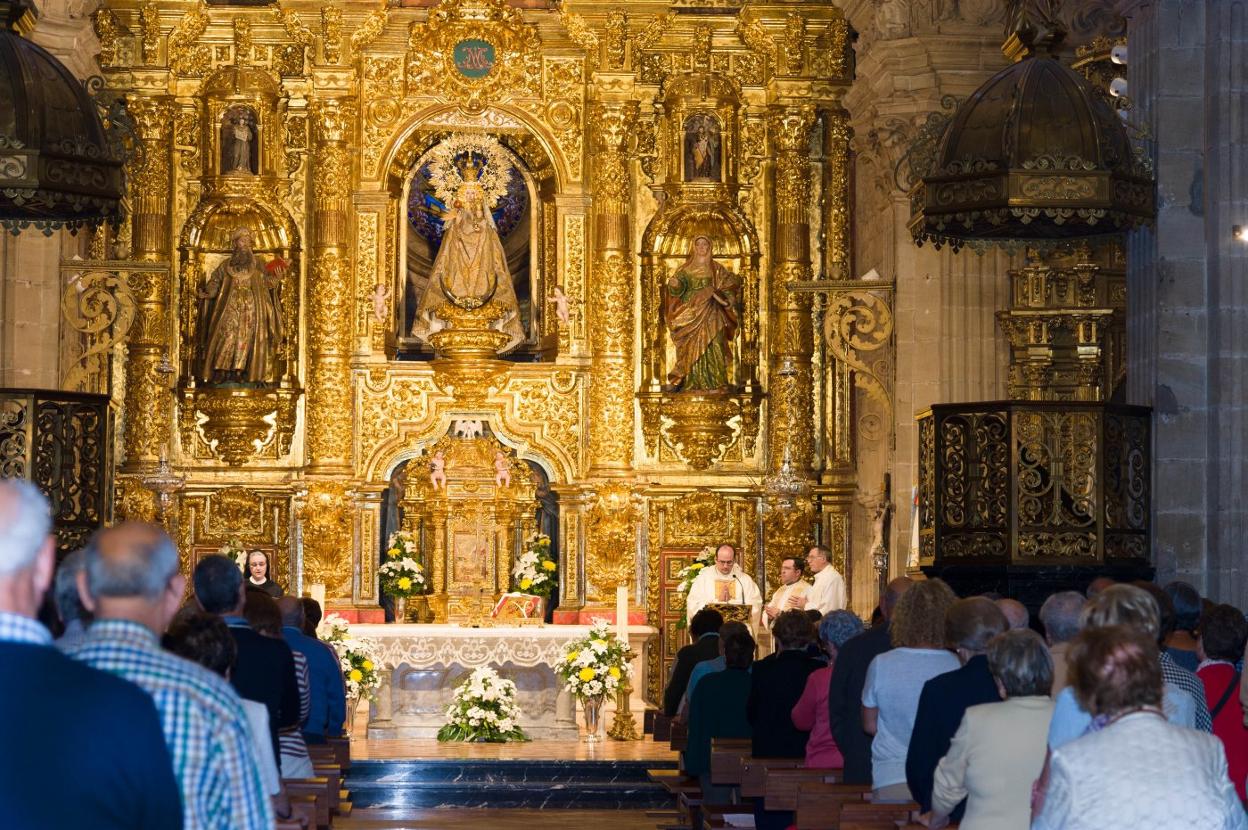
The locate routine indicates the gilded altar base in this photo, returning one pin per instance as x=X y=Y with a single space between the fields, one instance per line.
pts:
x=633 y=130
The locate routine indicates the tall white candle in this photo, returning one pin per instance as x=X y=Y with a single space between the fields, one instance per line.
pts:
x=621 y=612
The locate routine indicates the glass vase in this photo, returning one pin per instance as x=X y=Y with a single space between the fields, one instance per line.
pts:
x=400 y=610
x=353 y=703
x=593 y=719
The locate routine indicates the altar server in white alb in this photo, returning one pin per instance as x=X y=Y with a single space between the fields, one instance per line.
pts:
x=792 y=587
x=725 y=582
x=828 y=592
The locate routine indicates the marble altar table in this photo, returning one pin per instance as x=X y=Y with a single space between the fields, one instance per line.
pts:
x=422 y=664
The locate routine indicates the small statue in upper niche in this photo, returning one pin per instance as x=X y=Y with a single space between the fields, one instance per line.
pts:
x=700 y=307
x=437 y=471
x=702 y=157
x=502 y=469
x=239 y=148
x=242 y=316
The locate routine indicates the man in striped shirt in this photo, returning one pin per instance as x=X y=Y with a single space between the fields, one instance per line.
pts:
x=132 y=585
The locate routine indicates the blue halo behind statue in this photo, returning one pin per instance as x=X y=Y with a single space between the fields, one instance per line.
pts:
x=426 y=212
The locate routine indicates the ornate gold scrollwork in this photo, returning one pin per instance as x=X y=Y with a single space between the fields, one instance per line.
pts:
x=326 y=518
x=99 y=305
x=611 y=526
x=857 y=323
x=514 y=68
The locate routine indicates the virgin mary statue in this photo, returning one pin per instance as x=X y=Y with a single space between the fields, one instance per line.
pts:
x=470 y=269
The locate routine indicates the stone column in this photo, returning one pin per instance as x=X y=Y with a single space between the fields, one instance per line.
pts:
x=611 y=296
x=327 y=535
x=147 y=407
x=1187 y=354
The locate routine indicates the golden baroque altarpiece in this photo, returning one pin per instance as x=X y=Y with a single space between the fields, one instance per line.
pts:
x=678 y=195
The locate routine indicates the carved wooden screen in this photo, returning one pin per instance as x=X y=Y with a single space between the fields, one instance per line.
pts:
x=62 y=442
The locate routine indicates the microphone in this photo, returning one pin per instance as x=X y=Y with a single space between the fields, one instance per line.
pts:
x=742 y=587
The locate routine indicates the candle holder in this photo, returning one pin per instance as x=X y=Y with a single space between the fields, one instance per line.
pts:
x=164 y=482
x=623 y=725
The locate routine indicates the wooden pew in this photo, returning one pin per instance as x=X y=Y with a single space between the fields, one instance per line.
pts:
x=819 y=805
x=781 y=785
x=726 y=757
x=867 y=816
x=662 y=727
x=315 y=787
x=342 y=751
x=303 y=808
x=680 y=736
x=754 y=773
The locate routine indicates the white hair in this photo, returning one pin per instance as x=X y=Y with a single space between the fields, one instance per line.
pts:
x=25 y=522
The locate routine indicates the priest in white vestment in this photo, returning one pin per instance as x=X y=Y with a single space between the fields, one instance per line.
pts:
x=792 y=587
x=725 y=582
x=827 y=594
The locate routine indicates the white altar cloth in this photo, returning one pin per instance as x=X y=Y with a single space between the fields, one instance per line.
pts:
x=422 y=664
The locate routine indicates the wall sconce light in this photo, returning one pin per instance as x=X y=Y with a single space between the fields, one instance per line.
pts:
x=1239 y=233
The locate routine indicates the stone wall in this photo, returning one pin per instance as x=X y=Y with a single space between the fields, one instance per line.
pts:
x=1188 y=285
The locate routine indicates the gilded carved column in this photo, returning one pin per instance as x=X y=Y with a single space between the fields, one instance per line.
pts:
x=611 y=304
x=329 y=292
x=147 y=413
x=837 y=241
x=327 y=514
x=790 y=426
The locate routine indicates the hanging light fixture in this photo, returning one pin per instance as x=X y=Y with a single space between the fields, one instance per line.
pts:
x=57 y=166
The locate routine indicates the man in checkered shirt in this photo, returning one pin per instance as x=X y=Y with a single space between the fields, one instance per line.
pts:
x=132 y=585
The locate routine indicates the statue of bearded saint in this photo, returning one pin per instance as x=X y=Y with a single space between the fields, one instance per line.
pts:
x=241 y=317
x=700 y=306
x=470 y=265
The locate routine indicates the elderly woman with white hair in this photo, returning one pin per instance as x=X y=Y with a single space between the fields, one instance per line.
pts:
x=810 y=713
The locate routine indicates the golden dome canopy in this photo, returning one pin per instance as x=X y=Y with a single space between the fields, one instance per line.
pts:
x=1036 y=153
x=56 y=165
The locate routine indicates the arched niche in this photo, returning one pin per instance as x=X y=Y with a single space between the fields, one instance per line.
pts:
x=205 y=242
x=241 y=134
x=541 y=172
x=410 y=442
x=666 y=244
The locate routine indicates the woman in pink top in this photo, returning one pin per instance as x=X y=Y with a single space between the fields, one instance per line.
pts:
x=810 y=714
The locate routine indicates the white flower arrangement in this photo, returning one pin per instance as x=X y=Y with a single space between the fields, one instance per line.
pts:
x=484 y=709
x=357 y=657
x=333 y=629
x=595 y=665
x=402 y=575
x=234 y=550
x=687 y=574
x=534 y=572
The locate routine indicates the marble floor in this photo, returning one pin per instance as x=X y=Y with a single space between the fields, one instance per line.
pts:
x=462 y=818
x=418 y=748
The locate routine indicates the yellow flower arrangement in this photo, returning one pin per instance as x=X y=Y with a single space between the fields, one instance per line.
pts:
x=525 y=584
x=368 y=665
x=594 y=665
x=405 y=583
x=392 y=553
x=356 y=675
x=549 y=565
